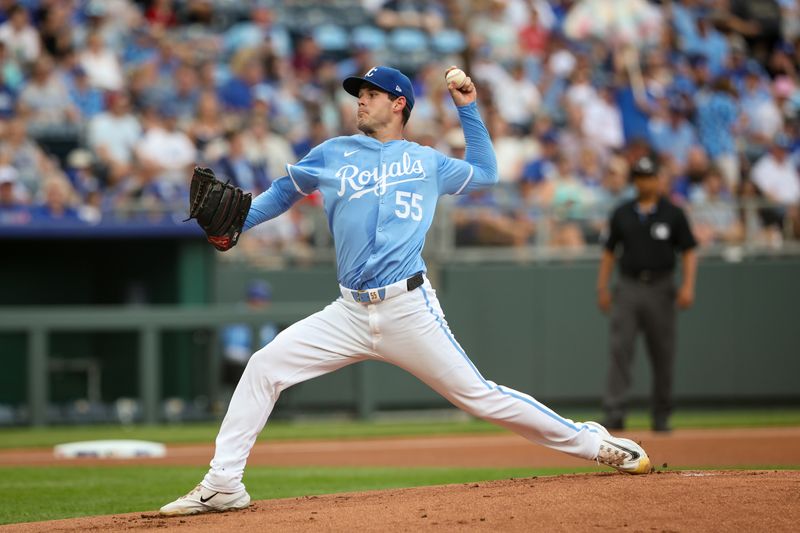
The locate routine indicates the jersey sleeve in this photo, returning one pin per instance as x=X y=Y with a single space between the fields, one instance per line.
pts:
x=305 y=174
x=479 y=167
x=614 y=232
x=274 y=201
x=454 y=174
x=682 y=237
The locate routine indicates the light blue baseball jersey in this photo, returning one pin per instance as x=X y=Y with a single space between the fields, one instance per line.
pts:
x=380 y=198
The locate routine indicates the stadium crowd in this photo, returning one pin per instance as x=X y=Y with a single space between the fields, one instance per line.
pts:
x=106 y=105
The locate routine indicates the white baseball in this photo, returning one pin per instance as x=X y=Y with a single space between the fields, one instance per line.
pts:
x=457 y=77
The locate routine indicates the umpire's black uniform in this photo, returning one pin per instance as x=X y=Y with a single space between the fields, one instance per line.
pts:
x=644 y=235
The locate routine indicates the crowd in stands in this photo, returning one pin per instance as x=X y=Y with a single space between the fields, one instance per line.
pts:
x=105 y=106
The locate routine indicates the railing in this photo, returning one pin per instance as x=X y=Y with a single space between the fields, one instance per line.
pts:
x=753 y=242
x=444 y=243
x=149 y=322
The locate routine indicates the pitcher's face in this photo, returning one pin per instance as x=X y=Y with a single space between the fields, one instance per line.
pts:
x=375 y=109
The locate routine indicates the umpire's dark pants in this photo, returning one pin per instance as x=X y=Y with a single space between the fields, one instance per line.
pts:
x=649 y=307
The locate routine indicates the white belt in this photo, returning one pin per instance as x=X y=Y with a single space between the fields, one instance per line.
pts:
x=379 y=294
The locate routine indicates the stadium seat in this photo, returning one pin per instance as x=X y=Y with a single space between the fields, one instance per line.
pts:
x=408 y=40
x=369 y=37
x=331 y=38
x=448 y=41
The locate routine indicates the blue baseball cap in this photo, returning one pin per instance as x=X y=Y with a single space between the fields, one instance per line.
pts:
x=259 y=290
x=386 y=79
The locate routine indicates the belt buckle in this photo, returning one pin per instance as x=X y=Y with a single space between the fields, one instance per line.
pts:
x=369 y=295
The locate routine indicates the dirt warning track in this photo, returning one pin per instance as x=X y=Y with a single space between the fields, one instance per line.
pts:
x=721 y=448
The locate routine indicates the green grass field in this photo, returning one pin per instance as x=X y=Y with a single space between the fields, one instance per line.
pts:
x=33 y=494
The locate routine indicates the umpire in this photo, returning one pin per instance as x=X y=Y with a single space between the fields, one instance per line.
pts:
x=647 y=232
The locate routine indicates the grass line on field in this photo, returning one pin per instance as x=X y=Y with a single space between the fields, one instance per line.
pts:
x=89 y=491
x=344 y=429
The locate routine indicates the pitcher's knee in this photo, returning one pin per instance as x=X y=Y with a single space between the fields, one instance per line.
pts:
x=270 y=356
x=263 y=367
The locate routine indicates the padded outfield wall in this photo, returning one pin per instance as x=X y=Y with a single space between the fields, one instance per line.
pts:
x=537 y=328
x=533 y=327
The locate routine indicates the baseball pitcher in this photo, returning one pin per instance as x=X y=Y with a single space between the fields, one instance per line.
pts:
x=380 y=193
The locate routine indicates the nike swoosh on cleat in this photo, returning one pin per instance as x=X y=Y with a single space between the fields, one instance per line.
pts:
x=634 y=454
x=348 y=154
x=204 y=500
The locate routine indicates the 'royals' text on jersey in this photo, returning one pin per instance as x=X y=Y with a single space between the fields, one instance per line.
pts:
x=380 y=197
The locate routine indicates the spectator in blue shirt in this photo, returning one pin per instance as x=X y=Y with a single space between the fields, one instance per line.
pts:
x=717 y=116
x=674 y=136
x=684 y=19
x=140 y=47
x=236 y=167
x=542 y=168
x=240 y=341
x=238 y=92
x=696 y=79
x=635 y=112
x=710 y=43
x=260 y=27
x=183 y=94
x=58 y=202
x=8 y=99
x=88 y=99
x=762 y=118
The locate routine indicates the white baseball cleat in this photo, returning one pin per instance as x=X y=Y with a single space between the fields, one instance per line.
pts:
x=622 y=454
x=203 y=500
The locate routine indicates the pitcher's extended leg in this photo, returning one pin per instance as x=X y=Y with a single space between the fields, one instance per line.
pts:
x=317 y=345
x=428 y=350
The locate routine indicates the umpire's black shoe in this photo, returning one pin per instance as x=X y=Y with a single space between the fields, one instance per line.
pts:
x=661 y=426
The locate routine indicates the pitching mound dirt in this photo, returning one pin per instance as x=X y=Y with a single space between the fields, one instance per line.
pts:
x=672 y=501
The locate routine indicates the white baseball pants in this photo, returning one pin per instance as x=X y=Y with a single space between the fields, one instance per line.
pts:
x=407 y=330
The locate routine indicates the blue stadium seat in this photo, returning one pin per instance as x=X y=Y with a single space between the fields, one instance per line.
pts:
x=331 y=38
x=449 y=42
x=408 y=40
x=370 y=37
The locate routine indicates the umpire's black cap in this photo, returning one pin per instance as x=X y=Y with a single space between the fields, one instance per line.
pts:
x=644 y=167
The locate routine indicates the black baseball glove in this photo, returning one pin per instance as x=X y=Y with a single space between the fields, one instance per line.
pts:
x=219 y=207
